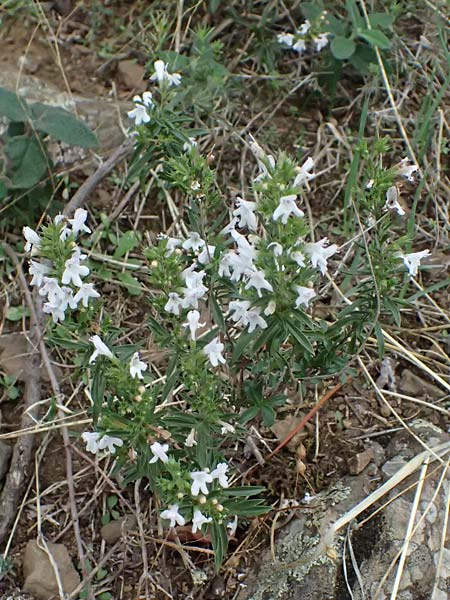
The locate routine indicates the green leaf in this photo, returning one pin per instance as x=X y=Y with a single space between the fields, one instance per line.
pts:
x=12 y=106
x=111 y=501
x=249 y=414
x=240 y=491
x=62 y=125
x=16 y=313
x=381 y=19
x=132 y=285
x=355 y=15
x=28 y=162
x=219 y=540
x=106 y=518
x=97 y=393
x=127 y=242
x=311 y=10
x=342 y=47
x=375 y=38
x=217 y=312
x=268 y=415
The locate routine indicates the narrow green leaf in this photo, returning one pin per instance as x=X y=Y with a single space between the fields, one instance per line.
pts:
x=219 y=540
x=381 y=19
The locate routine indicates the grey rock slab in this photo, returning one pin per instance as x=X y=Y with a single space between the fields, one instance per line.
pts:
x=39 y=574
x=306 y=568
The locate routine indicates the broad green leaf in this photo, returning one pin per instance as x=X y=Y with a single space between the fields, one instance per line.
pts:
x=311 y=10
x=28 y=163
x=342 y=47
x=132 y=285
x=12 y=106
x=127 y=242
x=375 y=38
x=15 y=313
x=62 y=125
x=381 y=19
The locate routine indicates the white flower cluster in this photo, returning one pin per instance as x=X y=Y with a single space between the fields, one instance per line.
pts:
x=297 y=41
x=200 y=481
x=70 y=290
x=161 y=75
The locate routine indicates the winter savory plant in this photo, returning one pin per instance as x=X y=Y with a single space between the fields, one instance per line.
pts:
x=240 y=307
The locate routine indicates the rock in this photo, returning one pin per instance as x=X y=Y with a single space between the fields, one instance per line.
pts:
x=5 y=456
x=15 y=357
x=131 y=75
x=114 y=530
x=309 y=557
x=39 y=575
x=281 y=429
x=359 y=462
x=413 y=385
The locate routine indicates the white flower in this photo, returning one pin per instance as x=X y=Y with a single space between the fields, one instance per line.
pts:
x=38 y=270
x=32 y=238
x=285 y=39
x=172 y=515
x=219 y=473
x=245 y=211
x=194 y=242
x=305 y=295
x=369 y=184
x=190 y=440
x=199 y=481
x=206 y=254
x=139 y=112
x=298 y=257
x=110 y=443
x=213 y=351
x=258 y=280
x=406 y=170
x=299 y=46
x=101 y=349
x=412 y=260
x=173 y=304
x=304 y=28
x=392 y=202
x=51 y=289
x=174 y=78
x=277 y=248
x=91 y=439
x=159 y=452
x=198 y=520
x=319 y=253
x=286 y=208
x=239 y=308
x=255 y=320
x=304 y=173
x=78 y=221
x=85 y=292
x=232 y=526
x=74 y=270
x=193 y=322
x=161 y=74
x=137 y=366
x=194 y=290
x=172 y=244
x=321 y=41
x=190 y=144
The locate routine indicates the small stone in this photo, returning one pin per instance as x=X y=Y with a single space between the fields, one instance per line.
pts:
x=39 y=575
x=5 y=456
x=413 y=385
x=113 y=531
x=131 y=75
x=359 y=462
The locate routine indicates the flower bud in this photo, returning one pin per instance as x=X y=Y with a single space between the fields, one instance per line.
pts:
x=154 y=264
x=141 y=389
x=202 y=499
x=138 y=398
x=219 y=507
x=214 y=501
